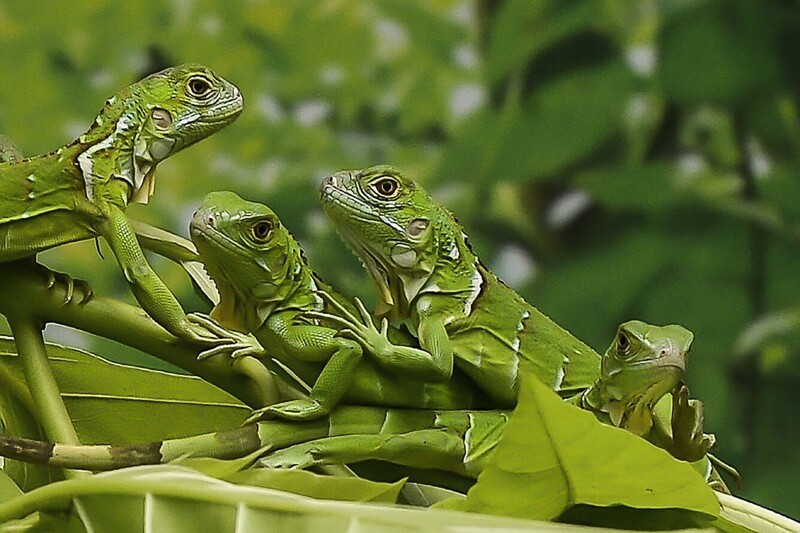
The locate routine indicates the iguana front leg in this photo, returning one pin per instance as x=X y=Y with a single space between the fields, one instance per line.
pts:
x=689 y=443
x=312 y=343
x=151 y=293
x=432 y=361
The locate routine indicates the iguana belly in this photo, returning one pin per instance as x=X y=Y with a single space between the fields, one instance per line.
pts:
x=371 y=386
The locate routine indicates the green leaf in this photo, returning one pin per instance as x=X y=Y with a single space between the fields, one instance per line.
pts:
x=112 y=403
x=523 y=28
x=178 y=499
x=720 y=52
x=642 y=188
x=579 y=461
x=351 y=489
x=8 y=489
x=422 y=495
x=740 y=515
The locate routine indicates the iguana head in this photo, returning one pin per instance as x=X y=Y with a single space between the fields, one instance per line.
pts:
x=156 y=117
x=643 y=363
x=399 y=233
x=250 y=255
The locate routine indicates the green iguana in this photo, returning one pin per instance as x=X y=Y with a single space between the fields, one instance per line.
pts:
x=251 y=254
x=266 y=288
x=81 y=190
x=459 y=441
x=429 y=279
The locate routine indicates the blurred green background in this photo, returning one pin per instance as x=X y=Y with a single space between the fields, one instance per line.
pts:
x=611 y=159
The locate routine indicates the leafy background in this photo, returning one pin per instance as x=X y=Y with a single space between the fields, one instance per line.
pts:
x=611 y=159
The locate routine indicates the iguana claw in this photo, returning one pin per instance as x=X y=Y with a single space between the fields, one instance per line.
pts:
x=689 y=441
x=233 y=344
x=52 y=278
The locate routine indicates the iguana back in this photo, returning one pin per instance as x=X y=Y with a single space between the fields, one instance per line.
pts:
x=429 y=278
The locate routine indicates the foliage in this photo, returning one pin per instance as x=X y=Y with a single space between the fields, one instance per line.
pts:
x=612 y=160
x=547 y=462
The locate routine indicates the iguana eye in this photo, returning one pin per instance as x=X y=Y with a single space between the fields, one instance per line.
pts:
x=261 y=230
x=387 y=186
x=623 y=344
x=199 y=87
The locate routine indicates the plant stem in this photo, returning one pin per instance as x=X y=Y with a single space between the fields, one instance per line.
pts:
x=48 y=405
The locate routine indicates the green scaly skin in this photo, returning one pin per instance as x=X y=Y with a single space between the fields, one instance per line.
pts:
x=642 y=365
x=429 y=279
x=267 y=289
x=81 y=190
x=458 y=441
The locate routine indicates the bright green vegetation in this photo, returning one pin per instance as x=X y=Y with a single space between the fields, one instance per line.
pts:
x=607 y=160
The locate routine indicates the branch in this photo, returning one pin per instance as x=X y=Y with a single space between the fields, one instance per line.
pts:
x=24 y=294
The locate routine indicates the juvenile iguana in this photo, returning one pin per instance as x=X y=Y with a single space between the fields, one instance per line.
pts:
x=266 y=288
x=459 y=441
x=81 y=190
x=429 y=279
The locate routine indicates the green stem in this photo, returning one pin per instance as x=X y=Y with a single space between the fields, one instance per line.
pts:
x=49 y=407
x=16 y=388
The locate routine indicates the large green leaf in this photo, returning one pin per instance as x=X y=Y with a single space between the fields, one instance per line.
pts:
x=120 y=404
x=177 y=499
x=352 y=489
x=554 y=456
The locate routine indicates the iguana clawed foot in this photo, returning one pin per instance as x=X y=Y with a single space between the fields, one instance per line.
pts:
x=54 y=278
x=304 y=409
x=360 y=329
x=688 y=440
x=224 y=341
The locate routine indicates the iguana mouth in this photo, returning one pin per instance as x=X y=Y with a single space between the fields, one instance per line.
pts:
x=202 y=226
x=224 y=111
